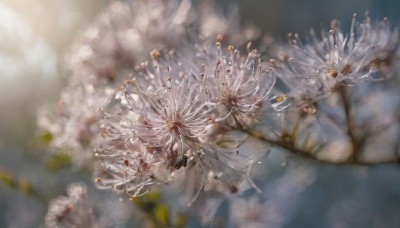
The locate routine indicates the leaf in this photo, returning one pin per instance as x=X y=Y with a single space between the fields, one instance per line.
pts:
x=162 y=214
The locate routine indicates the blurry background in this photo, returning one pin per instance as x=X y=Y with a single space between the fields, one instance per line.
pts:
x=36 y=34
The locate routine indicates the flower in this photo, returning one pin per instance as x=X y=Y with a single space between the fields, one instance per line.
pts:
x=74 y=126
x=105 y=56
x=169 y=116
x=74 y=210
x=124 y=35
x=313 y=70
x=241 y=86
x=382 y=41
x=167 y=121
x=125 y=166
x=146 y=140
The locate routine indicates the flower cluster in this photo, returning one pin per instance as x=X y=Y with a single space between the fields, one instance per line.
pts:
x=187 y=111
x=171 y=111
x=124 y=35
x=105 y=55
x=314 y=70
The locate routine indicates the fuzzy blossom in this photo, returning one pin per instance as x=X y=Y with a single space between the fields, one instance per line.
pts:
x=105 y=56
x=222 y=169
x=241 y=86
x=167 y=123
x=170 y=116
x=74 y=210
x=125 y=166
x=124 y=35
x=124 y=163
x=383 y=42
x=313 y=70
x=74 y=126
x=162 y=114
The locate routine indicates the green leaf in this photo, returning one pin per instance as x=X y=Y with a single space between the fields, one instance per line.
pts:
x=162 y=214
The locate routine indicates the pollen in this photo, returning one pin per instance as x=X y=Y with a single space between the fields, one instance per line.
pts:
x=98 y=180
x=333 y=73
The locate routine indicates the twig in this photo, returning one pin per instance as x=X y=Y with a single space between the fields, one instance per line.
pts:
x=301 y=153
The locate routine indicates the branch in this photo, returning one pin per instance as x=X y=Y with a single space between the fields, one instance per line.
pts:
x=356 y=142
x=291 y=148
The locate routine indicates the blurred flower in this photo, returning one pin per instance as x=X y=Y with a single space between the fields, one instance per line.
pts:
x=381 y=40
x=74 y=210
x=254 y=213
x=74 y=126
x=124 y=35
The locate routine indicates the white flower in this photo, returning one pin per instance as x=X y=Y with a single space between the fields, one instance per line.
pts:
x=124 y=35
x=74 y=125
x=382 y=41
x=125 y=166
x=240 y=85
x=167 y=122
x=169 y=116
x=313 y=70
x=74 y=210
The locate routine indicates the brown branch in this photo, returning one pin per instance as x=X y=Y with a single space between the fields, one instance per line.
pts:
x=356 y=142
x=291 y=148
